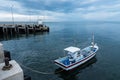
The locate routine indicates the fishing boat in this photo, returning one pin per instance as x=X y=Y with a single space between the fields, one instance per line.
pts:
x=76 y=56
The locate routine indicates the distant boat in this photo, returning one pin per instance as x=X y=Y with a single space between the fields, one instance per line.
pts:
x=76 y=57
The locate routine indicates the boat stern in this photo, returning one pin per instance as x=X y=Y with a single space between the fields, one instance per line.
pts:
x=63 y=63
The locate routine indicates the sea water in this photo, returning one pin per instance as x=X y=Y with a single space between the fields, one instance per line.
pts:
x=39 y=51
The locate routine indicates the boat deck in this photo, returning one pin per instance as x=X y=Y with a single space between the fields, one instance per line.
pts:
x=86 y=52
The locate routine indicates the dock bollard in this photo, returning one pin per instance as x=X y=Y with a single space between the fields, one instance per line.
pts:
x=7 y=65
x=7 y=54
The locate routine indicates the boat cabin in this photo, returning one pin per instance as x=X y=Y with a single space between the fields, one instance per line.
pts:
x=73 y=54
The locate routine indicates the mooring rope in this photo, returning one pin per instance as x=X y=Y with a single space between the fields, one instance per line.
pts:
x=36 y=71
x=40 y=72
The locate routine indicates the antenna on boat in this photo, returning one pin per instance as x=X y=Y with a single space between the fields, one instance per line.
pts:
x=92 y=40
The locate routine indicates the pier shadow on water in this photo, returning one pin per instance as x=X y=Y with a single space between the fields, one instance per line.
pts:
x=72 y=74
x=19 y=36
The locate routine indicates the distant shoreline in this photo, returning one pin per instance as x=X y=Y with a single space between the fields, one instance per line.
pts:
x=35 y=22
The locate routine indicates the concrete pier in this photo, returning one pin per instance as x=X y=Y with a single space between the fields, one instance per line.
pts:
x=15 y=73
x=6 y=30
x=1 y=53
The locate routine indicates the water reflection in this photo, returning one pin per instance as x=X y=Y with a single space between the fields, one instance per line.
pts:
x=18 y=36
x=71 y=75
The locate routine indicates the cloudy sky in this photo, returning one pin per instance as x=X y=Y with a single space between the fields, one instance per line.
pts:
x=60 y=10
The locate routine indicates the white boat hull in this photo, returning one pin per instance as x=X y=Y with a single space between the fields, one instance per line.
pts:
x=77 y=63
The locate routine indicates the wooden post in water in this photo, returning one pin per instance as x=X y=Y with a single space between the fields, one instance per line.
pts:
x=11 y=31
x=28 y=26
x=3 y=30
x=17 y=28
x=6 y=31
x=34 y=29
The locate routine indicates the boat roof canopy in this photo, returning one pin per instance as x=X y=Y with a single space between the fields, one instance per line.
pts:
x=72 y=49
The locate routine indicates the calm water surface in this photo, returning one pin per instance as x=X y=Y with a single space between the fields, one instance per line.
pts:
x=39 y=51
